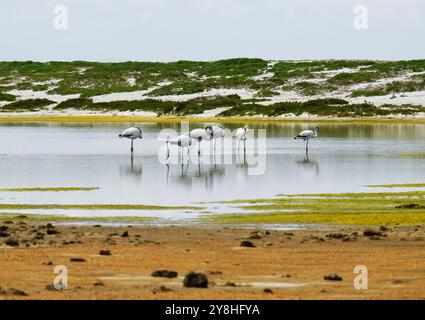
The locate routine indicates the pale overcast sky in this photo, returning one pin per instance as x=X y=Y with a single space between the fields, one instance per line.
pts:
x=168 y=30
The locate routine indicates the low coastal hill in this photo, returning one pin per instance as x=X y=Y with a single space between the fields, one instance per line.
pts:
x=240 y=87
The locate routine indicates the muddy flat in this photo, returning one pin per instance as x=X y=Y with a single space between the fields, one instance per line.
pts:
x=282 y=265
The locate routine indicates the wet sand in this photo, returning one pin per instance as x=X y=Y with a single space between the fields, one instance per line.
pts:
x=292 y=265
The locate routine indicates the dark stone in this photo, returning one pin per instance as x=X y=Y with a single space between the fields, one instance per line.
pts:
x=49 y=226
x=125 y=234
x=51 y=287
x=164 y=274
x=16 y=292
x=105 y=252
x=268 y=290
x=383 y=229
x=4 y=234
x=410 y=206
x=195 y=280
x=97 y=226
x=254 y=236
x=11 y=242
x=333 y=277
x=247 y=244
x=336 y=235
x=3 y=228
x=48 y=263
x=52 y=231
x=230 y=284
x=77 y=260
x=99 y=284
x=372 y=232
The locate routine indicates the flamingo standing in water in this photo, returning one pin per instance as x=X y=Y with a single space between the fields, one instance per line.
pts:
x=241 y=134
x=181 y=141
x=217 y=132
x=307 y=135
x=201 y=134
x=131 y=133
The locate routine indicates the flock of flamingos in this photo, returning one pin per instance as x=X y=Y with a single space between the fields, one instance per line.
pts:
x=208 y=133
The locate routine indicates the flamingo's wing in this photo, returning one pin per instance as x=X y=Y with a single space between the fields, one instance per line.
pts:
x=305 y=134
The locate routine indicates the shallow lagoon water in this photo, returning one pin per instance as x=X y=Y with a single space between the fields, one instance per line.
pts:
x=344 y=158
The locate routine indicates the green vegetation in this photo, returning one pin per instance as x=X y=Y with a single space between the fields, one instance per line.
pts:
x=347 y=208
x=43 y=218
x=417 y=84
x=27 y=105
x=354 y=77
x=398 y=185
x=413 y=155
x=265 y=78
x=193 y=106
x=58 y=189
x=13 y=206
x=7 y=97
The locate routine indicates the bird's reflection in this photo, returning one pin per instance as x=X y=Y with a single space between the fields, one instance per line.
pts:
x=309 y=163
x=131 y=170
x=194 y=174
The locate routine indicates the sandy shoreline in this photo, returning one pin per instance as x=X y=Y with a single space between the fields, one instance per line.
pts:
x=291 y=264
x=96 y=117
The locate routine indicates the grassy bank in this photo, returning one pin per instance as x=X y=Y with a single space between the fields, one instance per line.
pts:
x=385 y=208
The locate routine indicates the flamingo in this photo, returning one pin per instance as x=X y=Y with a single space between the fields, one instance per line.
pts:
x=241 y=134
x=217 y=132
x=201 y=134
x=307 y=135
x=131 y=133
x=181 y=141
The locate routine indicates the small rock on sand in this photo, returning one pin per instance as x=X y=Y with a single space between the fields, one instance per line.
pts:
x=11 y=243
x=77 y=260
x=268 y=290
x=4 y=234
x=52 y=231
x=372 y=232
x=333 y=277
x=247 y=244
x=195 y=280
x=164 y=274
x=125 y=234
x=230 y=284
x=105 y=252
x=17 y=292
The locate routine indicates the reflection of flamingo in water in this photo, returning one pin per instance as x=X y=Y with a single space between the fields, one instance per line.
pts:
x=131 y=133
x=307 y=135
x=309 y=163
x=217 y=132
x=241 y=135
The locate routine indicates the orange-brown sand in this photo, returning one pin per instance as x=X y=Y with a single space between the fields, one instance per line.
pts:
x=290 y=264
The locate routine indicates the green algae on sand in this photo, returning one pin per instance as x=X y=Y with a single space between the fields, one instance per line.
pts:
x=49 y=189
x=340 y=208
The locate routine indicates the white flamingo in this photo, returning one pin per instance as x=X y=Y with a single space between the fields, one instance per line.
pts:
x=241 y=135
x=131 y=133
x=217 y=132
x=181 y=141
x=307 y=135
x=201 y=134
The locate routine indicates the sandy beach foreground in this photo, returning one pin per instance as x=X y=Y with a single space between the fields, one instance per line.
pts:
x=282 y=265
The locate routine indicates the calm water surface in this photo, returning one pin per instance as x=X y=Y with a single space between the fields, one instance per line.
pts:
x=346 y=157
